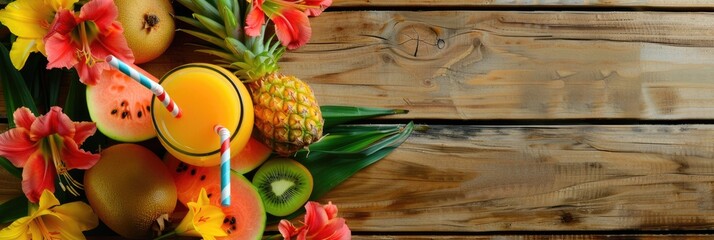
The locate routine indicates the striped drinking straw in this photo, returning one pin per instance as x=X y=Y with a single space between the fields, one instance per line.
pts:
x=225 y=164
x=155 y=88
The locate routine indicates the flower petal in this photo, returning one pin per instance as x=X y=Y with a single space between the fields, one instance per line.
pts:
x=61 y=4
x=112 y=41
x=336 y=229
x=63 y=24
x=315 y=216
x=293 y=28
x=317 y=7
x=83 y=130
x=102 y=12
x=47 y=201
x=38 y=175
x=23 y=118
x=331 y=210
x=62 y=228
x=75 y=158
x=287 y=229
x=17 y=230
x=16 y=146
x=21 y=49
x=61 y=52
x=27 y=18
x=79 y=214
x=254 y=21
x=64 y=126
x=48 y=124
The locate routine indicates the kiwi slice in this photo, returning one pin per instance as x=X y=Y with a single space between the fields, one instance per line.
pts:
x=284 y=185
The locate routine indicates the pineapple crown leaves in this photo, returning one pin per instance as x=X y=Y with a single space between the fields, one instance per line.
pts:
x=220 y=24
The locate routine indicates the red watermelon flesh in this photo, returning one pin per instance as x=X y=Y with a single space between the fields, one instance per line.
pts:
x=245 y=217
x=251 y=156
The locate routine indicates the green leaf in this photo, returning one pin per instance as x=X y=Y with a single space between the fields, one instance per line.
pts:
x=17 y=172
x=75 y=105
x=205 y=37
x=14 y=87
x=335 y=115
x=13 y=209
x=54 y=78
x=332 y=168
x=207 y=9
x=211 y=25
x=190 y=21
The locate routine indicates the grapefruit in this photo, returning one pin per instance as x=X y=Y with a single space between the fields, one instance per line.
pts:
x=129 y=189
x=121 y=107
x=245 y=217
x=148 y=27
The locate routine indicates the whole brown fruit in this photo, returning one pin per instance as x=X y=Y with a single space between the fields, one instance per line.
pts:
x=149 y=27
x=129 y=189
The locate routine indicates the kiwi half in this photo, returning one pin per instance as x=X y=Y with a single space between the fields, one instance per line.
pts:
x=284 y=185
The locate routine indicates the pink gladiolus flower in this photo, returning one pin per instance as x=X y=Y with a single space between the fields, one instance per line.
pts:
x=321 y=222
x=291 y=23
x=84 y=41
x=46 y=146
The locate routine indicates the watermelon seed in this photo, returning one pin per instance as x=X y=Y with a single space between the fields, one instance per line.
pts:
x=124 y=114
x=138 y=114
x=210 y=194
x=228 y=231
x=115 y=111
x=124 y=103
x=203 y=177
x=193 y=172
x=225 y=220
x=233 y=221
x=148 y=108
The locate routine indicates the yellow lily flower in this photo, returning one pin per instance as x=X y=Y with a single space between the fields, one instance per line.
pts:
x=50 y=220
x=30 y=21
x=203 y=219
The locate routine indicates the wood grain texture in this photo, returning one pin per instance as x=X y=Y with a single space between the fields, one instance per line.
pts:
x=513 y=65
x=523 y=3
x=540 y=237
x=549 y=178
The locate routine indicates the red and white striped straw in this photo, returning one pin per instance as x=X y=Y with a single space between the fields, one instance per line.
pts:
x=225 y=164
x=155 y=88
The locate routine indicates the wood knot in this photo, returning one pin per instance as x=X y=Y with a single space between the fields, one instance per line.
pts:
x=419 y=40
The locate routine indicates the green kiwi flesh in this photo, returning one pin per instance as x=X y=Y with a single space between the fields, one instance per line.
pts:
x=284 y=185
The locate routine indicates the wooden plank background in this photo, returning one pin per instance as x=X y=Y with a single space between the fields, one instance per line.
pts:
x=501 y=60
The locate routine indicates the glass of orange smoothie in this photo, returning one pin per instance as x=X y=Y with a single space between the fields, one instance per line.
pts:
x=207 y=95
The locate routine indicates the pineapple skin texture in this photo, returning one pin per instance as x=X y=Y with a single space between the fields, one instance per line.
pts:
x=287 y=115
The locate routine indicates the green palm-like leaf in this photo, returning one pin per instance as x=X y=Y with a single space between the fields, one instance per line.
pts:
x=16 y=95
x=335 y=115
x=329 y=169
x=13 y=209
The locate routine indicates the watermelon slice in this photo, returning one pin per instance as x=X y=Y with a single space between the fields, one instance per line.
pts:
x=121 y=107
x=251 y=156
x=245 y=217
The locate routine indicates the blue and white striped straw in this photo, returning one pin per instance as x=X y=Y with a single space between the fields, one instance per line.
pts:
x=155 y=88
x=225 y=164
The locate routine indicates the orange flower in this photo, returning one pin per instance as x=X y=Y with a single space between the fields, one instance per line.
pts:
x=84 y=41
x=321 y=222
x=46 y=146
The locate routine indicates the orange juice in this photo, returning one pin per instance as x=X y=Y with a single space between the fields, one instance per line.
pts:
x=207 y=95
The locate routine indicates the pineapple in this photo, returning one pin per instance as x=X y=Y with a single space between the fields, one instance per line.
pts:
x=287 y=116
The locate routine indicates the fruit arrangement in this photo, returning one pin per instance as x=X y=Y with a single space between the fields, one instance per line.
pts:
x=145 y=157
